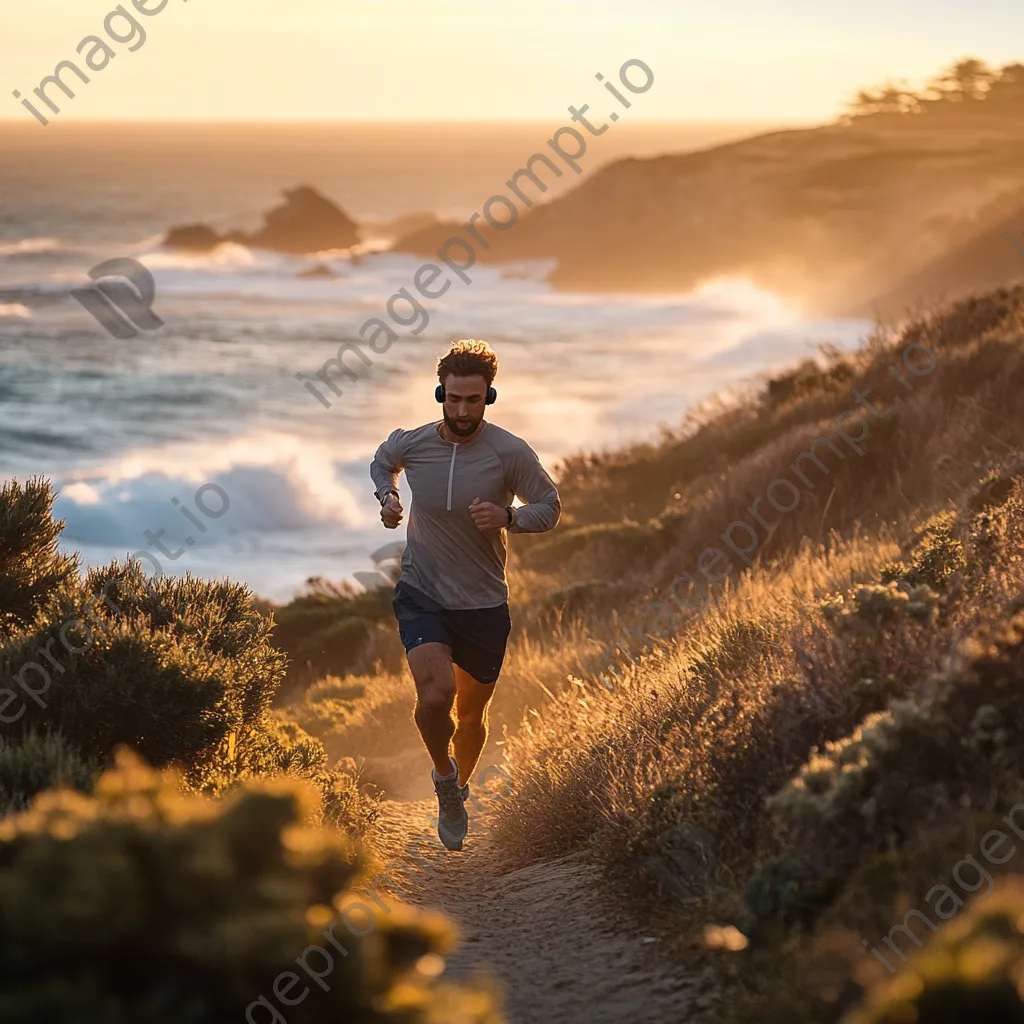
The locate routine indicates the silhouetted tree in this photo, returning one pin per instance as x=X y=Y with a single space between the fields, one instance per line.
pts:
x=890 y=98
x=969 y=80
x=965 y=80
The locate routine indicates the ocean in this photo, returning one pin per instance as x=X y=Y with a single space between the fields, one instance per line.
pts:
x=140 y=436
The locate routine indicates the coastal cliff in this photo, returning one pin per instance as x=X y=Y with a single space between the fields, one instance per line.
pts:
x=845 y=218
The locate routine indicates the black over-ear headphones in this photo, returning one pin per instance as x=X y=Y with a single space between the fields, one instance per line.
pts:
x=492 y=395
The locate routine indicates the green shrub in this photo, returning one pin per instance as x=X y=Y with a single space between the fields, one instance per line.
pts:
x=972 y=969
x=876 y=608
x=871 y=786
x=145 y=906
x=181 y=670
x=939 y=555
x=936 y=555
x=860 y=783
x=173 y=669
x=874 y=625
x=38 y=762
x=31 y=569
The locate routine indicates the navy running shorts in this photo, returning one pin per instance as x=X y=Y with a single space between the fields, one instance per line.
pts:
x=476 y=636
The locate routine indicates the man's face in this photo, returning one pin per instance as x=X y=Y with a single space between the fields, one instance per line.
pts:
x=464 y=403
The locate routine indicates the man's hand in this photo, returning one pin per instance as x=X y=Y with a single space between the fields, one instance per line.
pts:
x=487 y=516
x=391 y=512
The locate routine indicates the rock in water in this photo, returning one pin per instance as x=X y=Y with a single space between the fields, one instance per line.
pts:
x=196 y=237
x=306 y=222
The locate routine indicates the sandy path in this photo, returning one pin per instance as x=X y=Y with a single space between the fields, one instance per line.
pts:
x=545 y=932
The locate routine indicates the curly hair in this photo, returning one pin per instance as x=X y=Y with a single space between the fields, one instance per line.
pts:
x=467 y=359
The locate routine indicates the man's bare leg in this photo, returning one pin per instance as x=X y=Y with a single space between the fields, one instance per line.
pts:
x=431 y=667
x=471 y=699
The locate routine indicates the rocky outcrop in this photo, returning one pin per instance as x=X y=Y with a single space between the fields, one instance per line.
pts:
x=306 y=222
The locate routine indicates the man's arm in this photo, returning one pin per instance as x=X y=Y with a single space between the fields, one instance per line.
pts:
x=387 y=463
x=531 y=484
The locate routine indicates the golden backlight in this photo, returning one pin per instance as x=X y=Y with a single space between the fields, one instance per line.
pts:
x=456 y=60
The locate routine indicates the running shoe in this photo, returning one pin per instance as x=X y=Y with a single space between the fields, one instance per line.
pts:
x=452 y=819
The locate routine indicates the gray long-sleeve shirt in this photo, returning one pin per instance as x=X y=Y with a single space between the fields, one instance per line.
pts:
x=446 y=557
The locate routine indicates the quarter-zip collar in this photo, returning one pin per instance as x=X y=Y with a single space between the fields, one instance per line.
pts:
x=451 y=475
x=456 y=445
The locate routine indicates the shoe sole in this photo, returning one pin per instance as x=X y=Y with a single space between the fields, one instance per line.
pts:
x=451 y=847
x=450 y=841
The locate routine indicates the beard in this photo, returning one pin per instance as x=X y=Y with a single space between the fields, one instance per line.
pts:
x=455 y=428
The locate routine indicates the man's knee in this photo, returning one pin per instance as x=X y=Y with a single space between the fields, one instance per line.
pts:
x=471 y=716
x=434 y=693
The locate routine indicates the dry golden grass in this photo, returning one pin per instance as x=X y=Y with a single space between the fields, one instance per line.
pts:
x=623 y=742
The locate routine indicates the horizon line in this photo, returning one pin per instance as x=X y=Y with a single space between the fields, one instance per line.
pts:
x=394 y=121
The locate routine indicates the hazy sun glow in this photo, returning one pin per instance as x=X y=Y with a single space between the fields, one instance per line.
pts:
x=480 y=60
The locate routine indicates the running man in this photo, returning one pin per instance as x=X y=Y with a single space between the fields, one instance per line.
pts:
x=451 y=601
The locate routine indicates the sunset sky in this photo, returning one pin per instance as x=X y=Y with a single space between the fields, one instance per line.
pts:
x=478 y=60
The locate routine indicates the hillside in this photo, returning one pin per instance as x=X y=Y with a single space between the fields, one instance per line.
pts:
x=837 y=216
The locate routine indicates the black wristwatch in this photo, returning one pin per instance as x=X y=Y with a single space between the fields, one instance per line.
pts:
x=511 y=515
x=384 y=497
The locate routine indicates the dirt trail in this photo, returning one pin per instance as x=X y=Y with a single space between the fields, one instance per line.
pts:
x=544 y=932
